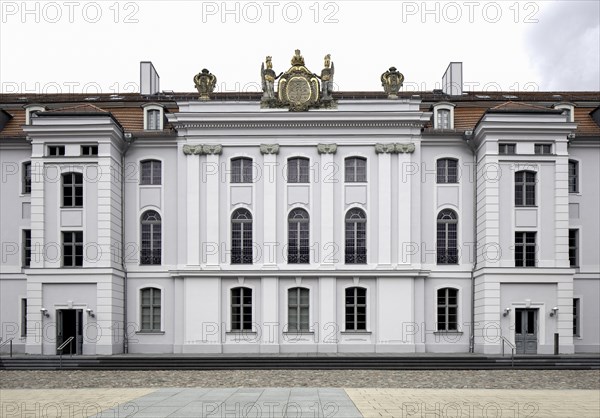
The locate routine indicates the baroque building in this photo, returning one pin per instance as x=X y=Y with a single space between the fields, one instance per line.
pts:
x=300 y=219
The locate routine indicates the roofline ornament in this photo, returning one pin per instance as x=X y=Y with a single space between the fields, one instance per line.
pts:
x=298 y=89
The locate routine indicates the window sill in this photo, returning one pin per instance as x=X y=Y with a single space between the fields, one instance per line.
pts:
x=448 y=332
x=356 y=332
x=526 y=206
x=150 y=332
x=241 y=332
x=298 y=333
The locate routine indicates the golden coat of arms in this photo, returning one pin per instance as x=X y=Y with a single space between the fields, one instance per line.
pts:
x=298 y=88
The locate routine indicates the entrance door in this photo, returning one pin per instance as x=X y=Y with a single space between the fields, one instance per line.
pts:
x=69 y=323
x=526 y=331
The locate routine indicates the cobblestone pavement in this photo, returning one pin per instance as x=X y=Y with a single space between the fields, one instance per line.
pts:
x=448 y=379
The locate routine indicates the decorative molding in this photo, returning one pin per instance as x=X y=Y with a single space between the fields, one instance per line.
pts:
x=327 y=148
x=309 y=124
x=408 y=148
x=212 y=149
x=269 y=149
x=192 y=149
x=385 y=148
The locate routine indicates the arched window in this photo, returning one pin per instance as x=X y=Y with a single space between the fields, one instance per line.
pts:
x=151 y=172
x=241 y=237
x=241 y=309
x=298 y=309
x=298 y=171
x=150 y=309
x=72 y=190
x=356 y=236
x=151 y=238
x=241 y=170
x=447 y=309
x=355 y=169
x=298 y=237
x=525 y=188
x=447 y=252
x=356 y=309
x=447 y=170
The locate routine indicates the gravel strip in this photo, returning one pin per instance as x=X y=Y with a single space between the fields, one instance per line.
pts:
x=449 y=379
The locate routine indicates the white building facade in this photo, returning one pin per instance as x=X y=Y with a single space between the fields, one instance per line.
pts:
x=161 y=223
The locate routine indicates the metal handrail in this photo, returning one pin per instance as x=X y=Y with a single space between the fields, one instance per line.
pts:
x=10 y=340
x=63 y=345
x=512 y=347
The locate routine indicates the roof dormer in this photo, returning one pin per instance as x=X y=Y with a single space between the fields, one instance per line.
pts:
x=443 y=115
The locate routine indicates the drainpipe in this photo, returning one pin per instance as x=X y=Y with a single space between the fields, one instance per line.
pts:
x=472 y=327
x=128 y=142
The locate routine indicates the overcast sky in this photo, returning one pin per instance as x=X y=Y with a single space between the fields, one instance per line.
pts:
x=96 y=46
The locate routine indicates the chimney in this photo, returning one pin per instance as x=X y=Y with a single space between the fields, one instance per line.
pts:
x=149 y=79
x=452 y=81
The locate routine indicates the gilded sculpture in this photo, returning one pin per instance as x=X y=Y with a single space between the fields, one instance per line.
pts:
x=391 y=81
x=205 y=83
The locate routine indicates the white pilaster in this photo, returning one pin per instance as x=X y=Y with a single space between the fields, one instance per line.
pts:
x=270 y=205
x=271 y=327
x=328 y=254
x=328 y=328
x=384 y=218
x=406 y=243
x=212 y=174
x=193 y=212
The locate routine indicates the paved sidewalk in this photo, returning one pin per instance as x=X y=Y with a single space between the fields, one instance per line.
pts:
x=298 y=402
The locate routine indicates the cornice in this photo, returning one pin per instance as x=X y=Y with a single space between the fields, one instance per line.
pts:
x=308 y=124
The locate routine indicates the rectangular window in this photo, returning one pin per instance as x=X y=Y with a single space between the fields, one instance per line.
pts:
x=507 y=149
x=525 y=182
x=576 y=316
x=23 y=317
x=356 y=309
x=447 y=170
x=525 y=249
x=573 y=176
x=56 y=150
x=241 y=170
x=153 y=119
x=151 y=172
x=356 y=170
x=88 y=150
x=26 y=180
x=298 y=170
x=150 y=307
x=26 y=247
x=72 y=190
x=241 y=309
x=573 y=250
x=298 y=305
x=73 y=249
x=447 y=309
x=543 y=149
x=443 y=119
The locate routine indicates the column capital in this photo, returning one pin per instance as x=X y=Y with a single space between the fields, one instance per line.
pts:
x=385 y=148
x=327 y=148
x=407 y=148
x=212 y=149
x=192 y=149
x=268 y=149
